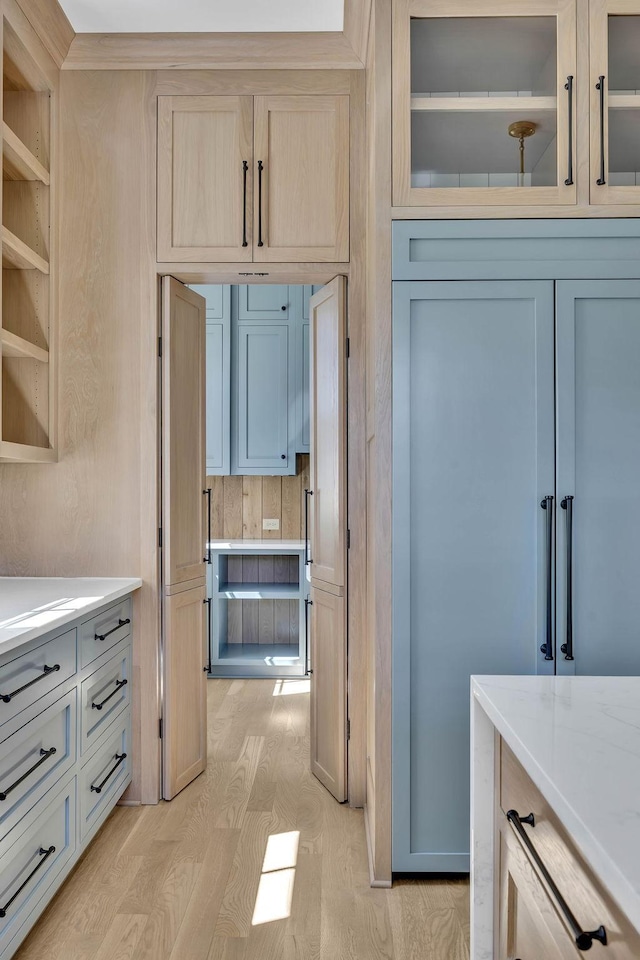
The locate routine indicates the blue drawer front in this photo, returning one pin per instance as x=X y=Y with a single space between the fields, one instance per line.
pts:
x=27 y=678
x=98 y=635
x=105 y=776
x=104 y=695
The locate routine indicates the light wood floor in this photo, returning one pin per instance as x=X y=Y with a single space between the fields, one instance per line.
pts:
x=179 y=881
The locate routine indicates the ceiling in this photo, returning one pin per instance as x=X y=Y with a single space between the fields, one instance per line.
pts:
x=208 y=16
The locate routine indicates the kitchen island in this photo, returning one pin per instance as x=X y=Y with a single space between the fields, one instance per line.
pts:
x=555 y=817
x=65 y=731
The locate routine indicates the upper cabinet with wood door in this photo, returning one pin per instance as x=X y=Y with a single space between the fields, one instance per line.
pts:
x=263 y=179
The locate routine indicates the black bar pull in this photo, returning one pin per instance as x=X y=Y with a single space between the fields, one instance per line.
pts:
x=307 y=668
x=44 y=755
x=569 y=88
x=45 y=854
x=600 y=86
x=121 y=623
x=99 y=706
x=583 y=938
x=207 y=669
x=307 y=541
x=207 y=493
x=119 y=758
x=7 y=697
x=245 y=169
x=547 y=647
x=567 y=646
x=260 y=169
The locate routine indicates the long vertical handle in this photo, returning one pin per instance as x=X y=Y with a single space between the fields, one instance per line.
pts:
x=600 y=86
x=307 y=668
x=569 y=88
x=307 y=541
x=547 y=647
x=245 y=170
x=208 y=602
x=567 y=646
x=260 y=169
x=207 y=493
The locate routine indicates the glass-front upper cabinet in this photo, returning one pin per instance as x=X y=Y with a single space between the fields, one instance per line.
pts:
x=483 y=105
x=615 y=101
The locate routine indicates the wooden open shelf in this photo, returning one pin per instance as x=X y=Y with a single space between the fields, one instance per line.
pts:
x=18 y=162
x=493 y=104
x=24 y=453
x=14 y=346
x=16 y=255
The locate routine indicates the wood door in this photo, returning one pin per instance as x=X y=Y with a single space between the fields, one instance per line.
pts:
x=183 y=434
x=302 y=193
x=614 y=85
x=204 y=188
x=328 y=463
x=184 y=742
x=328 y=645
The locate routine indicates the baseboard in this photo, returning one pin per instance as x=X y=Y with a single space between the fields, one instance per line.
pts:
x=372 y=880
x=128 y=803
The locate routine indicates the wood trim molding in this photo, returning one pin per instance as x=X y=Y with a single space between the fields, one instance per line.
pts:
x=210 y=51
x=357 y=19
x=50 y=22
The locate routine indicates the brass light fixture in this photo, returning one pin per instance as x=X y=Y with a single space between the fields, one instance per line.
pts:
x=520 y=130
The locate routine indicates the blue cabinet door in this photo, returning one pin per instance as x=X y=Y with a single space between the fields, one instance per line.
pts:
x=218 y=375
x=473 y=456
x=265 y=301
x=598 y=400
x=264 y=412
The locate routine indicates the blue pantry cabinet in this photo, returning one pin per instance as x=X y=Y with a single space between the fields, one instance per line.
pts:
x=516 y=456
x=218 y=374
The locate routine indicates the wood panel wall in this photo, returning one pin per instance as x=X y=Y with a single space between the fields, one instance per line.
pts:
x=239 y=505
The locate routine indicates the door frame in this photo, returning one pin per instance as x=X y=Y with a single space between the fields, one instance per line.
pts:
x=301 y=274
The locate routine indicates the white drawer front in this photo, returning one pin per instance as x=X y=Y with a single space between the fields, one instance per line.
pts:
x=31 y=858
x=104 y=777
x=26 y=678
x=99 y=634
x=34 y=758
x=104 y=695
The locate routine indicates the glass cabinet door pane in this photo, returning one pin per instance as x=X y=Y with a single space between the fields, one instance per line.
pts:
x=624 y=55
x=624 y=101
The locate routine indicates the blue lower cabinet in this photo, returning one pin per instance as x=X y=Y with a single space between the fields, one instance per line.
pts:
x=26 y=677
x=104 y=776
x=104 y=695
x=33 y=858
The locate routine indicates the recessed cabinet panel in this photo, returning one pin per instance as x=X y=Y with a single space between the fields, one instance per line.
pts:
x=263 y=442
x=265 y=301
x=204 y=187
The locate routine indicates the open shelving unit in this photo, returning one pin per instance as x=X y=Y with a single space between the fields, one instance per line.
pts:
x=27 y=334
x=257 y=593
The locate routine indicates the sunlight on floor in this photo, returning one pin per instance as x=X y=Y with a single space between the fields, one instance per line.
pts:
x=284 y=688
x=275 y=891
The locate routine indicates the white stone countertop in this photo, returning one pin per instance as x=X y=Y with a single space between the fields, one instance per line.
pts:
x=578 y=738
x=265 y=545
x=32 y=606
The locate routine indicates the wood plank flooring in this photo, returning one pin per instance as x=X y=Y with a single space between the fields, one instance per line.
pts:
x=179 y=881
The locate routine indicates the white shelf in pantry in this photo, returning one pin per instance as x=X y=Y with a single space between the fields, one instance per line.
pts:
x=259 y=591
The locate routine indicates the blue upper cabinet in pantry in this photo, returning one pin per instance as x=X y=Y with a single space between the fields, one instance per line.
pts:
x=218 y=374
x=263 y=302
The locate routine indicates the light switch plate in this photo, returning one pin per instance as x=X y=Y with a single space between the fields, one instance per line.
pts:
x=271 y=524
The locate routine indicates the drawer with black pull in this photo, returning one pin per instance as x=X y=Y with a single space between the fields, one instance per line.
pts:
x=32 y=858
x=103 y=631
x=28 y=677
x=103 y=696
x=589 y=918
x=34 y=758
x=104 y=777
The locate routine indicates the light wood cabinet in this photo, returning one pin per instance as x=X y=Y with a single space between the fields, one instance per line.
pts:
x=263 y=179
x=27 y=336
x=329 y=691
x=479 y=87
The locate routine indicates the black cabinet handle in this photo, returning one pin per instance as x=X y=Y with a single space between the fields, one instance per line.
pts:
x=7 y=697
x=99 y=706
x=44 y=755
x=119 y=758
x=307 y=667
x=121 y=623
x=567 y=646
x=547 y=647
x=569 y=88
x=583 y=938
x=208 y=601
x=207 y=493
x=600 y=86
x=45 y=854
x=307 y=542
x=260 y=169
x=245 y=168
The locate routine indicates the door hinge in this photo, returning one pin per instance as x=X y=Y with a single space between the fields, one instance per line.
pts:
x=348 y=729
x=348 y=347
x=160 y=728
x=348 y=539
x=159 y=346
x=159 y=536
